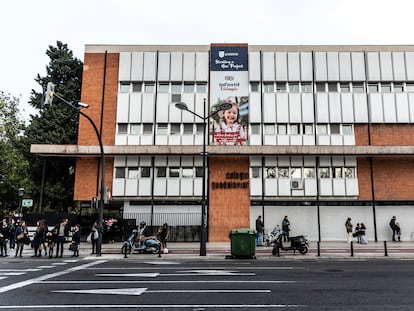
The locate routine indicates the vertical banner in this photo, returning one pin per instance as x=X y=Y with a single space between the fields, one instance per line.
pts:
x=229 y=82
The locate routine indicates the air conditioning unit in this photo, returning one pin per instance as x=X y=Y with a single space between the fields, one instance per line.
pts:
x=296 y=184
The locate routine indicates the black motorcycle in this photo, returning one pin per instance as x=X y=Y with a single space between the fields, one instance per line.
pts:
x=297 y=243
x=148 y=245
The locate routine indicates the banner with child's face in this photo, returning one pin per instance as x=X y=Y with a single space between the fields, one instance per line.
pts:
x=229 y=82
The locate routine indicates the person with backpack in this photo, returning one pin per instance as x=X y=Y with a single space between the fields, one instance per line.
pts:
x=393 y=227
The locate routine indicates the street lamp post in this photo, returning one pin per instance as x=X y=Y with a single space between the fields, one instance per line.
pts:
x=48 y=100
x=203 y=230
x=20 y=194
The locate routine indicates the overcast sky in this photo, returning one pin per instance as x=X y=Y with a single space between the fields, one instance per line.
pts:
x=28 y=27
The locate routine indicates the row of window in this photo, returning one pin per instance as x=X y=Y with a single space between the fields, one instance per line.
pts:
x=160 y=172
x=269 y=129
x=177 y=88
x=304 y=172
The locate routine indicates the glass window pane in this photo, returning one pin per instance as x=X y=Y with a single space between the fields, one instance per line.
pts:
x=133 y=172
x=136 y=87
x=309 y=172
x=135 y=129
x=162 y=129
x=345 y=88
x=307 y=129
x=176 y=88
x=164 y=88
x=188 y=128
x=385 y=87
x=324 y=172
x=200 y=128
x=188 y=172
x=175 y=129
x=270 y=172
x=293 y=87
x=320 y=87
x=149 y=87
x=332 y=87
x=306 y=87
x=398 y=87
x=188 y=87
x=255 y=129
x=283 y=172
x=335 y=129
x=322 y=129
x=409 y=87
x=201 y=87
x=199 y=172
x=145 y=172
x=349 y=172
x=254 y=86
x=282 y=129
x=255 y=172
x=119 y=172
x=281 y=87
x=147 y=129
x=122 y=128
x=268 y=87
x=124 y=87
x=358 y=87
x=337 y=172
x=347 y=129
x=373 y=87
x=296 y=172
x=175 y=98
x=269 y=129
x=174 y=172
x=161 y=171
x=294 y=129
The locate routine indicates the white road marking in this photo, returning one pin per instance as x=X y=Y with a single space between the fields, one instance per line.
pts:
x=162 y=263
x=22 y=270
x=175 y=282
x=12 y=273
x=3 y=277
x=46 y=267
x=59 y=263
x=144 y=275
x=139 y=306
x=47 y=276
x=181 y=273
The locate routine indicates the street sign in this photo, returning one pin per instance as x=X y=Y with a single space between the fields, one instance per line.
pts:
x=27 y=202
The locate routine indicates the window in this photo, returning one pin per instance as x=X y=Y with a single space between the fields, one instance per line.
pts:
x=124 y=87
x=268 y=87
x=386 y=87
x=135 y=129
x=162 y=129
x=175 y=98
x=283 y=172
x=149 y=87
x=147 y=129
x=199 y=128
x=322 y=129
x=119 y=172
x=136 y=87
x=324 y=172
x=335 y=129
x=199 y=172
x=307 y=129
x=188 y=172
x=306 y=88
x=145 y=172
x=188 y=128
x=281 y=87
x=349 y=172
x=255 y=172
x=176 y=88
x=344 y=87
x=294 y=129
x=255 y=129
x=175 y=129
x=122 y=128
x=294 y=87
x=174 y=172
x=161 y=172
x=347 y=129
x=296 y=172
x=332 y=87
x=409 y=87
x=320 y=87
x=133 y=173
x=254 y=87
x=164 y=87
x=201 y=87
x=337 y=172
x=373 y=87
x=189 y=87
x=398 y=87
x=282 y=129
x=269 y=129
x=309 y=172
x=270 y=172
x=358 y=88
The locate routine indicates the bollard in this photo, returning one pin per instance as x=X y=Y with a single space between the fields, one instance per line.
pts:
x=385 y=248
x=159 y=250
x=319 y=249
x=352 y=249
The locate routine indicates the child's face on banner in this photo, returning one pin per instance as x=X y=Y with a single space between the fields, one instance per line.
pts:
x=231 y=115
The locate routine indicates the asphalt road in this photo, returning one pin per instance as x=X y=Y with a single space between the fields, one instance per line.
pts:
x=160 y=284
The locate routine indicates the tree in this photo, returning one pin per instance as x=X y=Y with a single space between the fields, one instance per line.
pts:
x=13 y=166
x=55 y=124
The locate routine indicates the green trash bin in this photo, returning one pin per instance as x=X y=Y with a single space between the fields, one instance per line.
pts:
x=243 y=243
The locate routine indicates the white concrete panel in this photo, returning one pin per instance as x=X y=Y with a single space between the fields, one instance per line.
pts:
x=308 y=140
x=298 y=193
x=255 y=140
x=347 y=108
x=255 y=110
x=405 y=217
x=137 y=68
x=283 y=186
x=325 y=161
x=150 y=65
x=309 y=161
x=132 y=161
x=293 y=66
x=173 y=186
x=350 y=161
x=120 y=140
x=321 y=72
x=187 y=186
x=135 y=106
x=358 y=66
x=269 y=107
x=133 y=140
x=269 y=140
x=398 y=66
x=185 y=116
x=282 y=108
x=322 y=108
x=325 y=187
x=118 y=187
x=199 y=106
x=256 y=187
x=339 y=186
x=254 y=66
x=352 y=187
x=283 y=161
x=283 y=140
x=411 y=106
x=270 y=185
x=145 y=161
x=345 y=67
x=187 y=140
x=146 y=140
x=148 y=107
x=310 y=187
x=375 y=106
x=333 y=66
x=349 y=140
x=335 y=108
x=122 y=108
x=336 y=140
x=131 y=187
x=198 y=186
x=187 y=161
x=160 y=161
x=144 y=187
x=163 y=104
x=161 y=139
x=307 y=108
x=270 y=161
x=386 y=66
x=374 y=73
x=401 y=103
x=160 y=186
x=296 y=161
x=268 y=66
x=390 y=113
x=360 y=108
x=174 y=161
x=281 y=66
x=124 y=70
x=256 y=161
x=296 y=140
x=176 y=66
x=409 y=65
x=189 y=66
x=164 y=66
x=337 y=161
x=306 y=66
x=295 y=109
x=174 y=140
x=119 y=161
x=202 y=66
x=323 y=140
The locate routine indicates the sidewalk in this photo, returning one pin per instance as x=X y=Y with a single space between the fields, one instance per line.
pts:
x=219 y=250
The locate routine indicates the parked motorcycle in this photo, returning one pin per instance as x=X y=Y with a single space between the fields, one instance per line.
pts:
x=297 y=243
x=150 y=245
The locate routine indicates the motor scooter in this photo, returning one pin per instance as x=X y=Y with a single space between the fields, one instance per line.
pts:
x=297 y=243
x=150 y=245
x=271 y=237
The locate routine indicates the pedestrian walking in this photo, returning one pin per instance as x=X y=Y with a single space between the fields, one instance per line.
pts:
x=362 y=234
x=4 y=236
x=62 y=233
x=94 y=236
x=348 y=228
x=38 y=239
x=163 y=236
x=259 y=231
x=393 y=227
x=286 y=229
x=20 y=236
x=398 y=231
x=76 y=237
x=357 y=233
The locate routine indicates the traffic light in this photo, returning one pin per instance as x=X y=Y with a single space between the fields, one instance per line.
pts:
x=49 y=93
x=94 y=202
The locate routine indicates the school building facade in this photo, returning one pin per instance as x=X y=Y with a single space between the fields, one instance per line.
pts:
x=328 y=134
